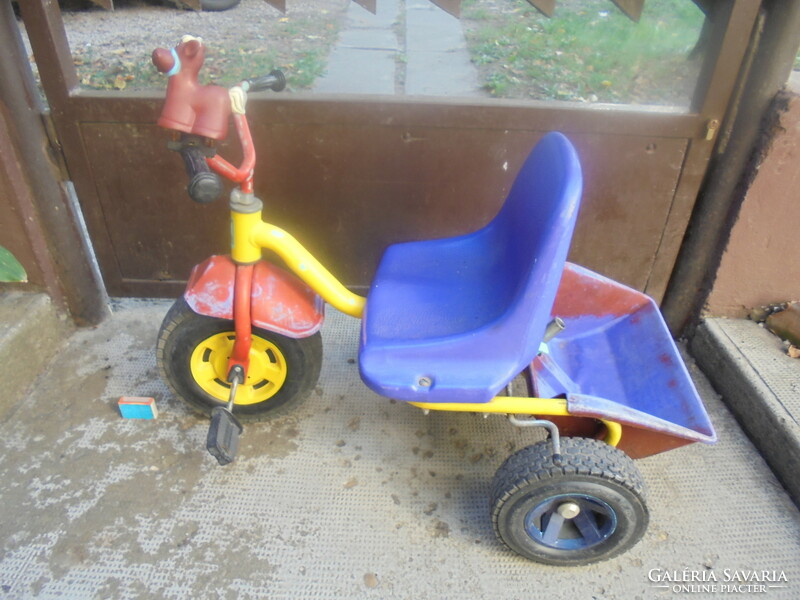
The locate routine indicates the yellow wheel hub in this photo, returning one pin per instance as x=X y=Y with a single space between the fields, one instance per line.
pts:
x=266 y=375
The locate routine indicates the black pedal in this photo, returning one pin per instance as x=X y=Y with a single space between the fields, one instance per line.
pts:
x=223 y=435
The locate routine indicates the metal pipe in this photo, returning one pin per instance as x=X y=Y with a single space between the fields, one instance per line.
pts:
x=549 y=425
x=308 y=268
x=236 y=377
x=554 y=327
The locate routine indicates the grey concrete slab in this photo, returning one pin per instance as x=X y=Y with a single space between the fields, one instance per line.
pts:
x=440 y=74
x=352 y=496
x=368 y=39
x=364 y=58
x=385 y=17
x=358 y=71
x=761 y=385
x=437 y=59
x=431 y=29
x=31 y=332
x=766 y=355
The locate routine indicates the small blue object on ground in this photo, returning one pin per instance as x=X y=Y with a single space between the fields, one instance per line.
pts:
x=132 y=407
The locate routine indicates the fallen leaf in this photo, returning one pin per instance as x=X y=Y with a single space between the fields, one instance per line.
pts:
x=794 y=351
x=119 y=82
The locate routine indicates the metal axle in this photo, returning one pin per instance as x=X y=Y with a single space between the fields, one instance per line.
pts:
x=551 y=428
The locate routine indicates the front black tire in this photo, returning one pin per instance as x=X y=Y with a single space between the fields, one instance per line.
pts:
x=191 y=357
x=587 y=508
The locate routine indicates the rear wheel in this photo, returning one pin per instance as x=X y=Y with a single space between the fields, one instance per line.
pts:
x=193 y=352
x=587 y=508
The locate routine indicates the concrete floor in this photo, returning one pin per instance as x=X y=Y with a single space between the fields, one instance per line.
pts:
x=351 y=497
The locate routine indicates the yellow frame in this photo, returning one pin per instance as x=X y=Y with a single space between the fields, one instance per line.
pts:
x=250 y=234
x=515 y=405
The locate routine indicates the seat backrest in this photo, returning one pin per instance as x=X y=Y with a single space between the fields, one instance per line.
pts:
x=535 y=227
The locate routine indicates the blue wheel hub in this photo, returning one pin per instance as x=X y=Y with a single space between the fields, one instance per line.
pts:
x=571 y=522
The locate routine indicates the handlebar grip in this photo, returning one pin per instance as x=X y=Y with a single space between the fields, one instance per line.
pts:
x=275 y=81
x=204 y=185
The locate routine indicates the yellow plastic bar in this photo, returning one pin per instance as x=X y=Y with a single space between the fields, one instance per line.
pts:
x=308 y=268
x=613 y=433
x=544 y=407
x=554 y=407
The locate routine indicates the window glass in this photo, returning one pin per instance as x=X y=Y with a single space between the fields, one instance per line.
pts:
x=589 y=51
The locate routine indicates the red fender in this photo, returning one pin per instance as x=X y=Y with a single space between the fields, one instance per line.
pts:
x=280 y=301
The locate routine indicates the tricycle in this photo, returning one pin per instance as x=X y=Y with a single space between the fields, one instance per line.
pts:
x=448 y=325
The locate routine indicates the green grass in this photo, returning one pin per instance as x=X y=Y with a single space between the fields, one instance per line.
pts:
x=589 y=51
x=222 y=66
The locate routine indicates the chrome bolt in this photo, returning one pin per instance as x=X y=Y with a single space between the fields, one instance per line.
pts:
x=425 y=382
x=569 y=510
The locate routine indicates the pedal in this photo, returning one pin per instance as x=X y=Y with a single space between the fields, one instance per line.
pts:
x=223 y=435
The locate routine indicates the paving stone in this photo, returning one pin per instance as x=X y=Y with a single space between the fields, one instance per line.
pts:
x=358 y=71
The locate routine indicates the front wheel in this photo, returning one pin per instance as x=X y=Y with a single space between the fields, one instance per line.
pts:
x=192 y=356
x=587 y=508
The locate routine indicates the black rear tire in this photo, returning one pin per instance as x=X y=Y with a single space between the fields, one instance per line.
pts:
x=218 y=5
x=587 y=508
x=187 y=340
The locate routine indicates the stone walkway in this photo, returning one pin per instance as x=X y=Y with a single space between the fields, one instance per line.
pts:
x=409 y=47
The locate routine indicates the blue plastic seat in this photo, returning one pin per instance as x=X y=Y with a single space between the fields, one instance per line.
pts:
x=456 y=319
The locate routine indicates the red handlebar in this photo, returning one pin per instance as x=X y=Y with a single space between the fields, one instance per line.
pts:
x=244 y=174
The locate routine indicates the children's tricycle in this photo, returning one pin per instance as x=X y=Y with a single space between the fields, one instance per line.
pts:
x=448 y=324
